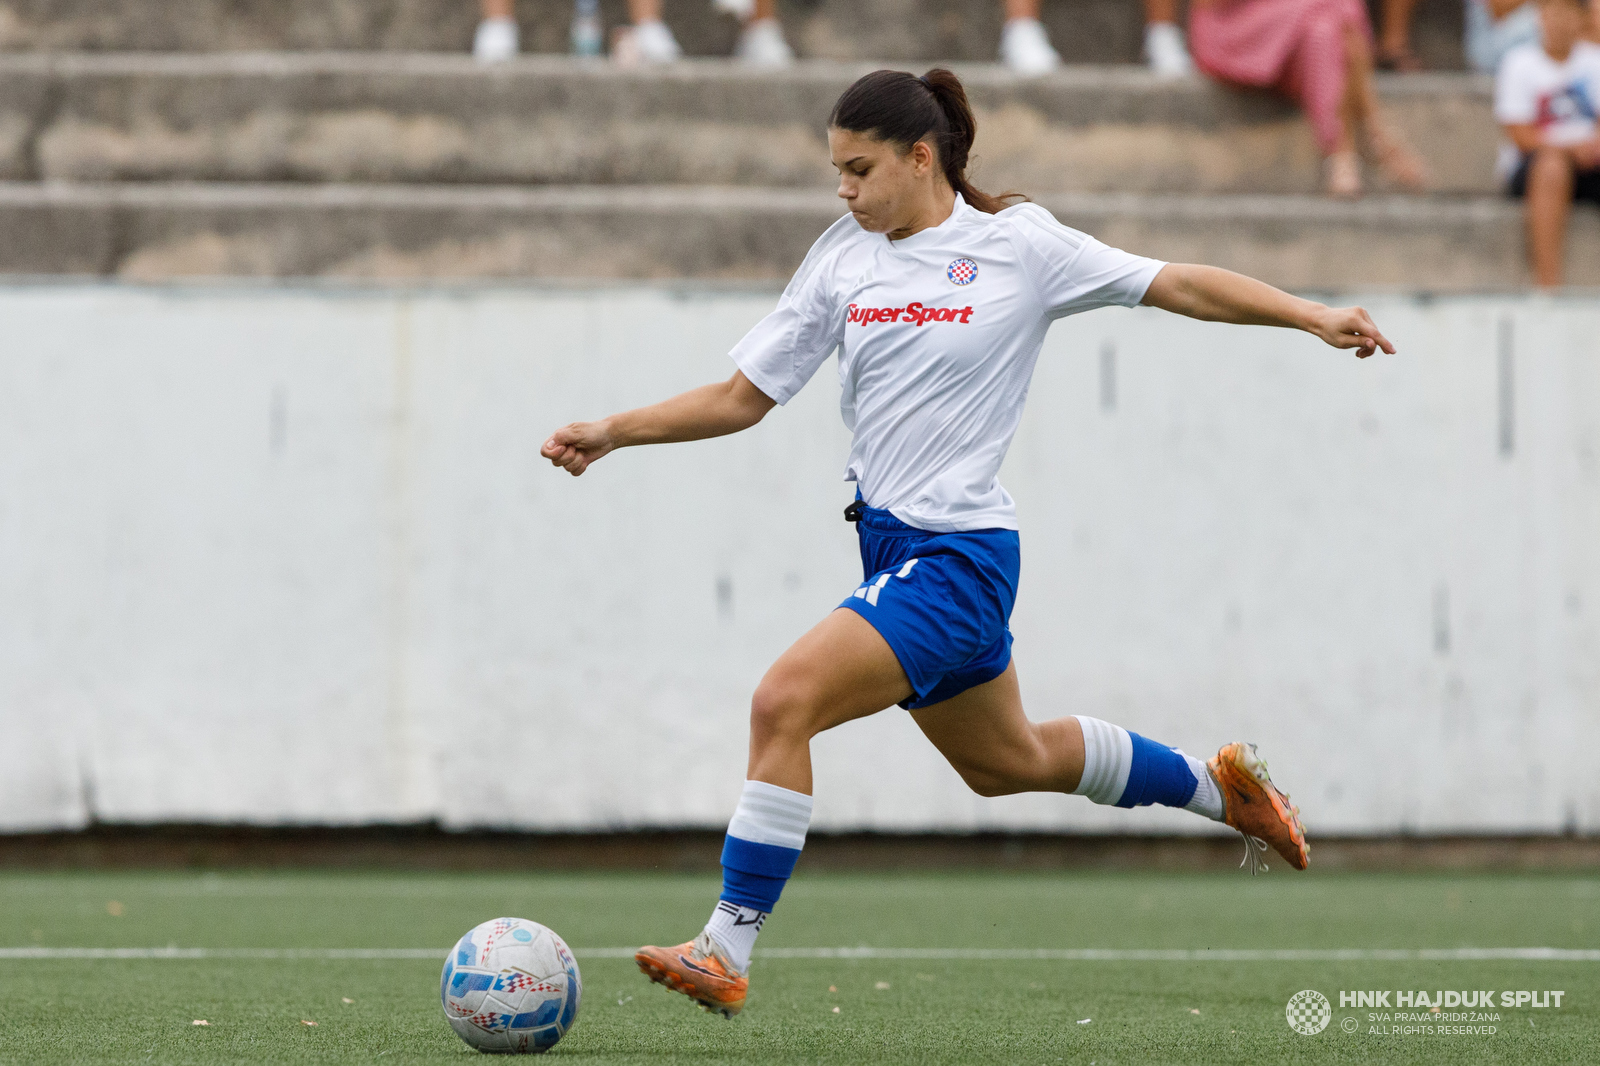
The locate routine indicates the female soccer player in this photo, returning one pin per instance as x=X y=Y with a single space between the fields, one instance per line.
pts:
x=937 y=297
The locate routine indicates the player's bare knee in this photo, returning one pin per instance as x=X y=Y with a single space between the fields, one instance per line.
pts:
x=991 y=781
x=989 y=785
x=781 y=708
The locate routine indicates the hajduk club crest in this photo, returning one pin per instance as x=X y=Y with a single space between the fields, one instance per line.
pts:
x=961 y=271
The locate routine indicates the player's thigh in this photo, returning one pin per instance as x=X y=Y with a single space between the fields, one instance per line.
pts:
x=840 y=670
x=987 y=737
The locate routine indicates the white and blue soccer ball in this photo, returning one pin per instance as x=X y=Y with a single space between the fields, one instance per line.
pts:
x=511 y=985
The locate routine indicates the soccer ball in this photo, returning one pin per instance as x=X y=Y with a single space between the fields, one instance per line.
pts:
x=511 y=985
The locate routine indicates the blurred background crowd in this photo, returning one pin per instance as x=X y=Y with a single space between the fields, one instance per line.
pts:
x=1449 y=105
x=1320 y=53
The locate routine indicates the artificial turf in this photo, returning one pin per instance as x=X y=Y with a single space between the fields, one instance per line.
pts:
x=922 y=1010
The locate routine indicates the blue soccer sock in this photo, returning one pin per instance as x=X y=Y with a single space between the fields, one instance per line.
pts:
x=758 y=855
x=1123 y=769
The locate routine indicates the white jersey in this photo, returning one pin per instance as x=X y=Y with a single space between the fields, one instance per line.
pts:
x=938 y=334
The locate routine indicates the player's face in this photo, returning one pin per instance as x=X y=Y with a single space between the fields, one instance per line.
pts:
x=880 y=183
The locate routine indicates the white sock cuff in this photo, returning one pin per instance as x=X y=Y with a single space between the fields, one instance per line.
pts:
x=1107 y=760
x=768 y=814
x=1207 y=800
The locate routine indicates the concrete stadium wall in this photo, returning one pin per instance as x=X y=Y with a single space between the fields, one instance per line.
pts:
x=277 y=554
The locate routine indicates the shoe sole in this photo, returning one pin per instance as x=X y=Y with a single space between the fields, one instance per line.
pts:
x=674 y=982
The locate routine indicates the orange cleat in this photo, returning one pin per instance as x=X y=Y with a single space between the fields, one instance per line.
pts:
x=700 y=970
x=1254 y=806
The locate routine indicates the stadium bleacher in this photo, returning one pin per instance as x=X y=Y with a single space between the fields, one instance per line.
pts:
x=153 y=140
x=1083 y=31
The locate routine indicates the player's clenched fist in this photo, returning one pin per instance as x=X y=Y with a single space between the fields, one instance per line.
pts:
x=574 y=447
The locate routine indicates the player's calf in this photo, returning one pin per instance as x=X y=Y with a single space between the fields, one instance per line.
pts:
x=1124 y=769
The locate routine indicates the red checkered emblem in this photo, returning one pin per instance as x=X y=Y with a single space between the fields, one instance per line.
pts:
x=521 y=982
x=961 y=271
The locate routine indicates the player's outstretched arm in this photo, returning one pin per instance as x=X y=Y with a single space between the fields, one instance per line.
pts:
x=1216 y=295
x=709 y=411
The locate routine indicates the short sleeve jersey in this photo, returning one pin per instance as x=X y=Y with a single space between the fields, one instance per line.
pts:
x=937 y=335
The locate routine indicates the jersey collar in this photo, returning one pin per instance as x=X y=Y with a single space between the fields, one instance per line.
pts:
x=931 y=235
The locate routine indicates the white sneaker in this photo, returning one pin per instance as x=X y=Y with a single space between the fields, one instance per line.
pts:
x=1025 y=47
x=495 y=41
x=654 y=43
x=740 y=9
x=762 y=45
x=1164 y=51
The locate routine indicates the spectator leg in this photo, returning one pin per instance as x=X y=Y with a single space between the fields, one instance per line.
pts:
x=644 y=11
x=1396 y=41
x=1022 y=9
x=1363 y=112
x=498 y=9
x=1359 y=105
x=1161 y=11
x=1549 y=196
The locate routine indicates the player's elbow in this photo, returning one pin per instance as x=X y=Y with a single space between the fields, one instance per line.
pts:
x=745 y=405
x=752 y=412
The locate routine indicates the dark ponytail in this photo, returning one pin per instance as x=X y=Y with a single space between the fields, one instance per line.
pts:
x=895 y=106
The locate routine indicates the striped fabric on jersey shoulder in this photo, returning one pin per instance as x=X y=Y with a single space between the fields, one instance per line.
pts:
x=1046 y=249
x=842 y=233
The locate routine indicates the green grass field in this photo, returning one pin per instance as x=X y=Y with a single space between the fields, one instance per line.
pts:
x=928 y=1009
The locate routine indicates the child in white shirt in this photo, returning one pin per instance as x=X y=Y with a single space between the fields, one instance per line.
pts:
x=1546 y=99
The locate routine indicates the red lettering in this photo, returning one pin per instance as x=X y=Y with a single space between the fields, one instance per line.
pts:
x=915 y=313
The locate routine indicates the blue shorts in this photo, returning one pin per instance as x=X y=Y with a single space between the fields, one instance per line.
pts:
x=942 y=600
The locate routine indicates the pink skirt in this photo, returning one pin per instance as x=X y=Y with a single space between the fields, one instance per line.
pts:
x=1295 y=47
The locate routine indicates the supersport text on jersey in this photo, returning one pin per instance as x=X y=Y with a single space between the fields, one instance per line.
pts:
x=914 y=313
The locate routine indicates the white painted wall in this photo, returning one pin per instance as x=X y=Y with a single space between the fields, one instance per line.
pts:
x=289 y=555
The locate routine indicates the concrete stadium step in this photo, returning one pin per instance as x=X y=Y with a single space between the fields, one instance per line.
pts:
x=157 y=231
x=1084 y=31
x=431 y=118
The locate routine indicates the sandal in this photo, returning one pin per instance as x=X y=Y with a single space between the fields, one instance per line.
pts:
x=1341 y=173
x=1396 y=160
x=1400 y=61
